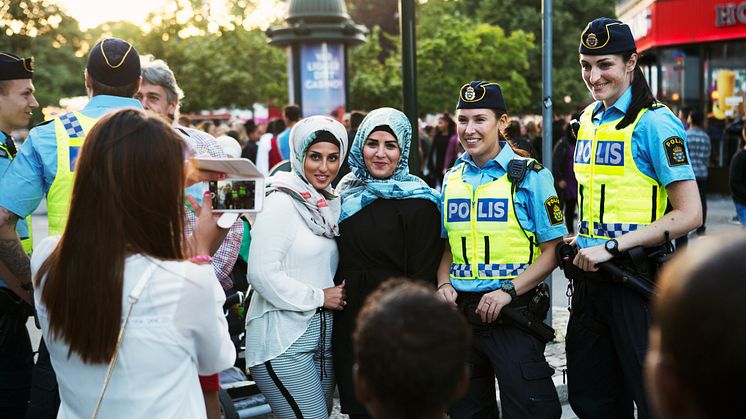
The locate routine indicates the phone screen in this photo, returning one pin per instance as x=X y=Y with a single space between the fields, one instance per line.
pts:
x=233 y=194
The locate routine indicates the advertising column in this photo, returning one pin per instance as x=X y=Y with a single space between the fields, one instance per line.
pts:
x=322 y=79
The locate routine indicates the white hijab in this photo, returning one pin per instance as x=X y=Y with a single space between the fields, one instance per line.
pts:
x=320 y=209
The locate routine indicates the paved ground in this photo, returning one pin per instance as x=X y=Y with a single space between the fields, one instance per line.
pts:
x=720 y=210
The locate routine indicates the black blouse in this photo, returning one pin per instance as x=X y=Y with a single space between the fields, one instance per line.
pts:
x=388 y=238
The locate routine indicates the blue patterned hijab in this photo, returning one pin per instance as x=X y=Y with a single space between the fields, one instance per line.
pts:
x=359 y=188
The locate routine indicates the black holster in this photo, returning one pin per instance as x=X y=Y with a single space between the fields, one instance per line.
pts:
x=527 y=312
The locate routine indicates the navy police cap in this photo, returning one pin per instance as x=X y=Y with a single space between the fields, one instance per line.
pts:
x=606 y=36
x=13 y=67
x=481 y=95
x=114 y=62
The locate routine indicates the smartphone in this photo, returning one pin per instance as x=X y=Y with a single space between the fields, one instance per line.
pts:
x=236 y=195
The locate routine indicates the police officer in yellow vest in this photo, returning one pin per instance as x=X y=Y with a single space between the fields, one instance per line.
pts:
x=502 y=230
x=630 y=158
x=45 y=165
x=17 y=103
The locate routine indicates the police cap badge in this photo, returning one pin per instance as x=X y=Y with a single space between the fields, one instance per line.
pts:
x=13 y=67
x=481 y=95
x=114 y=62
x=606 y=36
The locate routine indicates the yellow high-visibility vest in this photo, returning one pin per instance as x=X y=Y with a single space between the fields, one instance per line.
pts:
x=486 y=239
x=70 y=129
x=615 y=197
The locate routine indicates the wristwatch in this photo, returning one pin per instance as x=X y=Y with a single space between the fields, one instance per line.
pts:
x=612 y=246
x=509 y=288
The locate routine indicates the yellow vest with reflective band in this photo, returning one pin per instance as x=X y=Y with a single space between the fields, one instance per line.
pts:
x=27 y=243
x=70 y=130
x=487 y=241
x=615 y=197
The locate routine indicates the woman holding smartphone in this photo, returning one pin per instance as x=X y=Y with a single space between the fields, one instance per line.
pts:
x=291 y=266
x=124 y=234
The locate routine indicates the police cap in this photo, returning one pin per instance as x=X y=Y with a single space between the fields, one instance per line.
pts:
x=13 y=67
x=114 y=62
x=606 y=36
x=481 y=95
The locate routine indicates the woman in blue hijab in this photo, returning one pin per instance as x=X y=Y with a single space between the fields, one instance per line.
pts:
x=389 y=227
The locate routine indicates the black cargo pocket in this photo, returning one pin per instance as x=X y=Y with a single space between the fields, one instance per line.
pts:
x=543 y=399
x=536 y=370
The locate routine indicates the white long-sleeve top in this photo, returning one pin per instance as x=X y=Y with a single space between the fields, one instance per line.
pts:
x=289 y=267
x=176 y=332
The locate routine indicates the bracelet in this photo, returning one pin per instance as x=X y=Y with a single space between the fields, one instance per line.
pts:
x=201 y=258
x=443 y=285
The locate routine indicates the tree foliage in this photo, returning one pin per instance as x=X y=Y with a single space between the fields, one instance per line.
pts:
x=39 y=28
x=568 y=19
x=227 y=62
x=453 y=49
x=374 y=83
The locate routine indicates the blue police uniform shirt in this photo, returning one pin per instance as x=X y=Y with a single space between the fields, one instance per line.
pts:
x=33 y=170
x=283 y=142
x=529 y=199
x=22 y=225
x=648 y=151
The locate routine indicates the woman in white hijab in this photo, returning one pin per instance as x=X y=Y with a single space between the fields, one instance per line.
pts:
x=291 y=266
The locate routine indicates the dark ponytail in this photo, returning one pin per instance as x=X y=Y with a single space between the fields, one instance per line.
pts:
x=642 y=96
x=513 y=144
x=502 y=136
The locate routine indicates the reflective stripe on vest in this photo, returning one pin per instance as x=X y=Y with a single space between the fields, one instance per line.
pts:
x=26 y=242
x=70 y=130
x=615 y=197
x=487 y=241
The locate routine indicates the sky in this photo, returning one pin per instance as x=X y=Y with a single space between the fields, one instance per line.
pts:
x=91 y=13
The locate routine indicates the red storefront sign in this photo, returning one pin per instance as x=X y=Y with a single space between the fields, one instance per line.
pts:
x=677 y=22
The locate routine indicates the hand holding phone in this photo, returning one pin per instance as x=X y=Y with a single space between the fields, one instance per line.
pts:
x=207 y=236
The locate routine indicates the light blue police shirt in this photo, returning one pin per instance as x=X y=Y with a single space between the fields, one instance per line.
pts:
x=33 y=170
x=533 y=191
x=648 y=152
x=22 y=225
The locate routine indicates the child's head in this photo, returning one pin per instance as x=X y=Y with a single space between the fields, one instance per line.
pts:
x=411 y=352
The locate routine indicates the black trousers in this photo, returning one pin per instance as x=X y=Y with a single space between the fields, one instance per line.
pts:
x=523 y=375
x=607 y=338
x=702 y=186
x=16 y=357
x=45 y=396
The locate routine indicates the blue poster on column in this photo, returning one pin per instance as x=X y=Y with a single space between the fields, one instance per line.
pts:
x=322 y=79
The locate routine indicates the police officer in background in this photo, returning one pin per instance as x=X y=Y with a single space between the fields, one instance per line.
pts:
x=17 y=103
x=502 y=220
x=45 y=166
x=630 y=158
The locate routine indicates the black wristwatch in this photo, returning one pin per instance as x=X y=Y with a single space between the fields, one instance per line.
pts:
x=509 y=288
x=612 y=246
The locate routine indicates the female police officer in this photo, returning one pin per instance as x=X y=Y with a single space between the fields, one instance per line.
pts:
x=630 y=157
x=501 y=233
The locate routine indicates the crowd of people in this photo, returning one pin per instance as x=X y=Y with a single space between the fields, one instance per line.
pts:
x=128 y=288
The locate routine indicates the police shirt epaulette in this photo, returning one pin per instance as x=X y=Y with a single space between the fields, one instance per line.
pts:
x=657 y=105
x=42 y=123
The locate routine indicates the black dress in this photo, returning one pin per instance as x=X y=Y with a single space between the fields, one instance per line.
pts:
x=388 y=238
